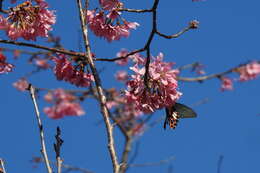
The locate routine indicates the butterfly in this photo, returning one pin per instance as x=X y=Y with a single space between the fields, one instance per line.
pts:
x=177 y=111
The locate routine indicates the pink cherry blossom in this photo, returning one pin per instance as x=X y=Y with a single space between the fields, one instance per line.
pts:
x=111 y=104
x=161 y=90
x=65 y=71
x=121 y=76
x=21 y=84
x=3 y=23
x=249 y=71
x=28 y=21
x=42 y=63
x=5 y=67
x=138 y=59
x=109 y=4
x=108 y=26
x=116 y=99
x=49 y=97
x=64 y=109
x=227 y=84
x=64 y=105
x=124 y=61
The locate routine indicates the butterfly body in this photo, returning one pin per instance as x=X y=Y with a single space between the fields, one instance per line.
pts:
x=177 y=111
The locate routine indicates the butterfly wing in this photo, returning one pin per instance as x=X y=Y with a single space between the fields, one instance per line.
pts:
x=184 y=111
x=174 y=113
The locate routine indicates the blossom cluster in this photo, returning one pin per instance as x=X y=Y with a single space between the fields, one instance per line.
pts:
x=160 y=90
x=28 y=21
x=136 y=58
x=5 y=67
x=249 y=71
x=127 y=115
x=108 y=25
x=246 y=72
x=64 y=70
x=21 y=85
x=227 y=84
x=64 y=104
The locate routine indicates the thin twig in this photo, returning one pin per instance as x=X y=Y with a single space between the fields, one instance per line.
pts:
x=126 y=151
x=67 y=168
x=153 y=163
x=207 y=77
x=1 y=7
x=37 y=113
x=135 y=10
x=174 y=35
x=2 y=165
x=63 y=51
x=170 y=169
x=121 y=57
x=215 y=75
x=57 y=147
x=187 y=66
x=135 y=154
x=220 y=161
x=24 y=51
x=101 y=95
x=149 y=41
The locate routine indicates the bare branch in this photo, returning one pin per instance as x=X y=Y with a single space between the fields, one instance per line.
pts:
x=24 y=51
x=135 y=10
x=3 y=166
x=1 y=7
x=122 y=57
x=56 y=50
x=37 y=113
x=220 y=161
x=127 y=149
x=203 y=78
x=67 y=168
x=149 y=41
x=101 y=95
x=161 y=162
x=174 y=35
x=207 y=77
x=57 y=148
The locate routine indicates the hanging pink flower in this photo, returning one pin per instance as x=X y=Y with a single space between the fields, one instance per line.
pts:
x=109 y=4
x=5 y=67
x=161 y=90
x=121 y=76
x=65 y=71
x=21 y=84
x=108 y=26
x=28 y=21
x=249 y=71
x=64 y=105
x=136 y=58
x=227 y=84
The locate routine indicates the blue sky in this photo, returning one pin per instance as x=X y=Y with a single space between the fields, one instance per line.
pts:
x=227 y=124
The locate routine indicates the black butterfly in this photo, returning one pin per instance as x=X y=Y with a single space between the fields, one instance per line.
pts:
x=174 y=113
